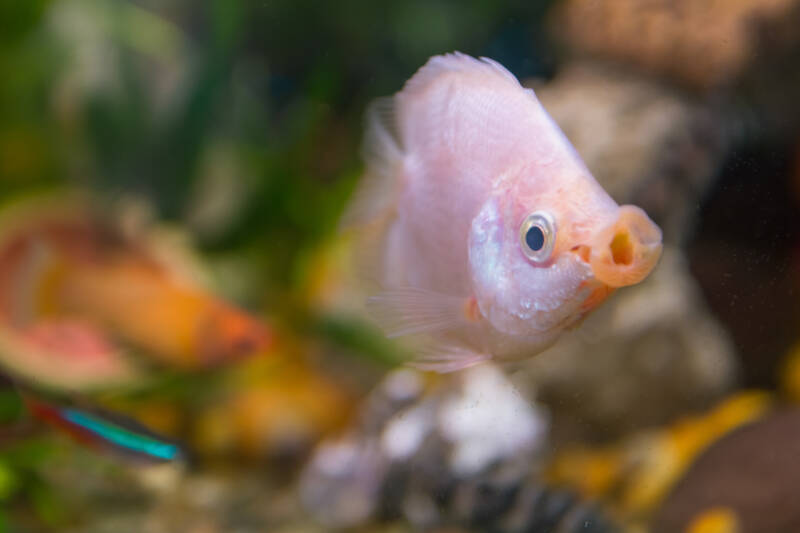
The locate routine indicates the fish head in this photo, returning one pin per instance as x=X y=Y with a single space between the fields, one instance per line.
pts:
x=542 y=256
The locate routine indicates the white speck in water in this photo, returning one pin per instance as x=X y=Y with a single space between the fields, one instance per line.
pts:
x=489 y=420
x=405 y=432
x=336 y=459
x=402 y=385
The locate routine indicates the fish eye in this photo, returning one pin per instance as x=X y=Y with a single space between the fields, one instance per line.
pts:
x=537 y=236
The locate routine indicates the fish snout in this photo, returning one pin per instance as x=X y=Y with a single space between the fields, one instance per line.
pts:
x=626 y=251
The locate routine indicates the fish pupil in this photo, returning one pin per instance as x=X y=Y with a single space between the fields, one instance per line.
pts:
x=534 y=238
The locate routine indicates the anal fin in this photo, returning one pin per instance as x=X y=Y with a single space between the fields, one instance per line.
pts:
x=444 y=358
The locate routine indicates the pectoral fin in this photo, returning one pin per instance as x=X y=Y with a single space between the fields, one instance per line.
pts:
x=409 y=311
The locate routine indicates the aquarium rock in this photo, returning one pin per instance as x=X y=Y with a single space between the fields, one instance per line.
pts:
x=464 y=452
x=749 y=476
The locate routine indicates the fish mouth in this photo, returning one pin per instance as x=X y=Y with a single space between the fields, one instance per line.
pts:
x=624 y=252
x=599 y=294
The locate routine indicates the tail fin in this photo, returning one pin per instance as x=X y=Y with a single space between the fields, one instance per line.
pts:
x=106 y=431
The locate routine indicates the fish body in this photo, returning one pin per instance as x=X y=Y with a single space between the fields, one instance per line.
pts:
x=182 y=324
x=484 y=230
x=75 y=293
x=105 y=431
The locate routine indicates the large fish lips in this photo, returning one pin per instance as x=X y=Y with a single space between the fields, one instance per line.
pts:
x=622 y=253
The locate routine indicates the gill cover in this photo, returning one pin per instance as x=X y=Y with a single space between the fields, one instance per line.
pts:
x=516 y=295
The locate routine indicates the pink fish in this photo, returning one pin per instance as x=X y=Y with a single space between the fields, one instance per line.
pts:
x=486 y=233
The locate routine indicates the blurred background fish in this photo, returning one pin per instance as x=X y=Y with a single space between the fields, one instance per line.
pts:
x=76 y=289
x=78 y=297
x=105 y=432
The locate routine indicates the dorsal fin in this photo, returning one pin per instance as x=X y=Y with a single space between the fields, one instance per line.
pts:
x=458 y=62
x=382 y=153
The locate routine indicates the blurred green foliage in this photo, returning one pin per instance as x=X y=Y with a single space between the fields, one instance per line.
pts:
x=252 y=107
x=239 y=121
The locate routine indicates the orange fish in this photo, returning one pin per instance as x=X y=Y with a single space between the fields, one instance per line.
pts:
x=72 y=287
